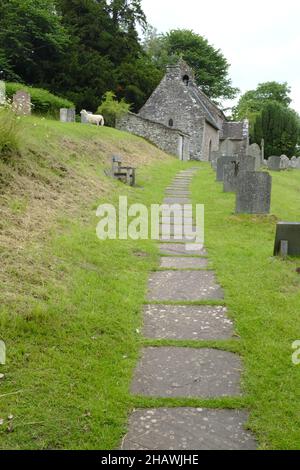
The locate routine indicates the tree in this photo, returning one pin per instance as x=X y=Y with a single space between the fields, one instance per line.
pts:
x=279 y=126
x=112 y=109
x=252 y=102
x=32 y=40
x=211 y=67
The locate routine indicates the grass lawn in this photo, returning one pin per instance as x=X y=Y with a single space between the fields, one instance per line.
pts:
x=71 y=304
x=263 y=296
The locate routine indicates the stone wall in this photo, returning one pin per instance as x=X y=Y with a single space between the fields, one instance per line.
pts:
x=168 y=139
x=181 y=108
x=210 y=141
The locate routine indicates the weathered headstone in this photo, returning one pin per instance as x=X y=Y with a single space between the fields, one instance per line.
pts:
x=231 y=173
x=265 y=163
x=297 y=163
x=284 y=162
x=67 y=115
x=247 y=163
x=2 y=92
x=253 y=193
x=227 y=148
x=293 y=162
x=254 y=151
x=289 y=234
x=22 y=103
x=274 y=163
x=221 y=162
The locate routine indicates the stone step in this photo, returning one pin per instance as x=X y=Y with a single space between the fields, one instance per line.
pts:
x=187 y=372
x=188 y=429
x=183 y=263
x=177 y=200
x=187 y=322
x=177 y=249
x=184 y=286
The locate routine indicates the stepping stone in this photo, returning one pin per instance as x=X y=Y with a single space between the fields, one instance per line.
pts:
x=184 y=286
x=181 y=229
x=177 y=220
x=177 y=200
x=178 y=249
x=185 y=322
x=188 y=429
x=187 y=372
x=183 y=263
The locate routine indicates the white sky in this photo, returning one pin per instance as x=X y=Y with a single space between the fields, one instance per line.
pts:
x=259 y=38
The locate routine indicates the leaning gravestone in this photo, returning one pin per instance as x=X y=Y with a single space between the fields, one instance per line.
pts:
x=231 y=173
x=221 y=162
x=254 y=151
x=22 y=103
x=253 y=193
x=274 y=163
x=289 y=233
x=2 y=92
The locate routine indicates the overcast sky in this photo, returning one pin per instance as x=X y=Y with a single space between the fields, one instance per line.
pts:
x=259 y=38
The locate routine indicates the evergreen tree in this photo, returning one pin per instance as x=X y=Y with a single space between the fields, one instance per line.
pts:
x=279 y=127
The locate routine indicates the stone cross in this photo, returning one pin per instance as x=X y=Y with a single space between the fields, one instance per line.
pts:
x=253 y=193
x=22 y=103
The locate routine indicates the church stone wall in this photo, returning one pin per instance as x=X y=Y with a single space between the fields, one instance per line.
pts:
x=167 y=139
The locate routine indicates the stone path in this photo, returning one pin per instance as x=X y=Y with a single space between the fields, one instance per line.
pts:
x=186 y=372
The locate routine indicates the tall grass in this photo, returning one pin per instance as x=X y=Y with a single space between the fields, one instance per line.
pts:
x=9 y=132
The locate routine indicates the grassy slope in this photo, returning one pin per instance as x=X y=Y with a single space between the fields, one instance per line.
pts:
x=70 y=304
x=263 y=296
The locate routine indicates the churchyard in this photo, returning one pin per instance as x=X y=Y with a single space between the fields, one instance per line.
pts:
x=91 y=325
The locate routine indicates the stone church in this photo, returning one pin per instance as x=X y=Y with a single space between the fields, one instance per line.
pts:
x=180 y=119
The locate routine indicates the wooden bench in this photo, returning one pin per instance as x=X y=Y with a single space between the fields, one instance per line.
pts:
x=123 y=173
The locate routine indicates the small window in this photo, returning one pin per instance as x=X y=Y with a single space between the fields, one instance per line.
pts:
x=171 y=123
x=186 y=80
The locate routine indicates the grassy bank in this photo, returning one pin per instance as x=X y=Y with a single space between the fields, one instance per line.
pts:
x=70 y=304
x=263 y=296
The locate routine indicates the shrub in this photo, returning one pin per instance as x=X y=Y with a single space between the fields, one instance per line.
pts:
x=43 y=101
x=112 y=109
x=9 y=132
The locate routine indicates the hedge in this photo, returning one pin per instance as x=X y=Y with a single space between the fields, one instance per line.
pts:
x=42 y=100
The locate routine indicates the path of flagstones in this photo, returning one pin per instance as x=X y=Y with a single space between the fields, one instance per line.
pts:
x=179 y=372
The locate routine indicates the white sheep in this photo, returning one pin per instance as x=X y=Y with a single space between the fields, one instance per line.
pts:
x=93 y=118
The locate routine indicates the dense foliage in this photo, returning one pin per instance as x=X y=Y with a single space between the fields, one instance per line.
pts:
x=80 y=49
x=112 y=109
x=43 y=101
x=279 y=126
x=209 y=64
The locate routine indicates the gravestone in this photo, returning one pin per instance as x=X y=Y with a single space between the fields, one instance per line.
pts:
x=288 y=232
x=231 y=172
x=274 y=163
x=297 y=164
x=293 y=162
x=227 y=148
x=284 y=162
x=84 y=118
x=253 y=193
x=2 y=92
x=67 y=115
x=247 y=163
x=266 y=163
x=221 y=162
x=254 y=151
x=22 y=103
